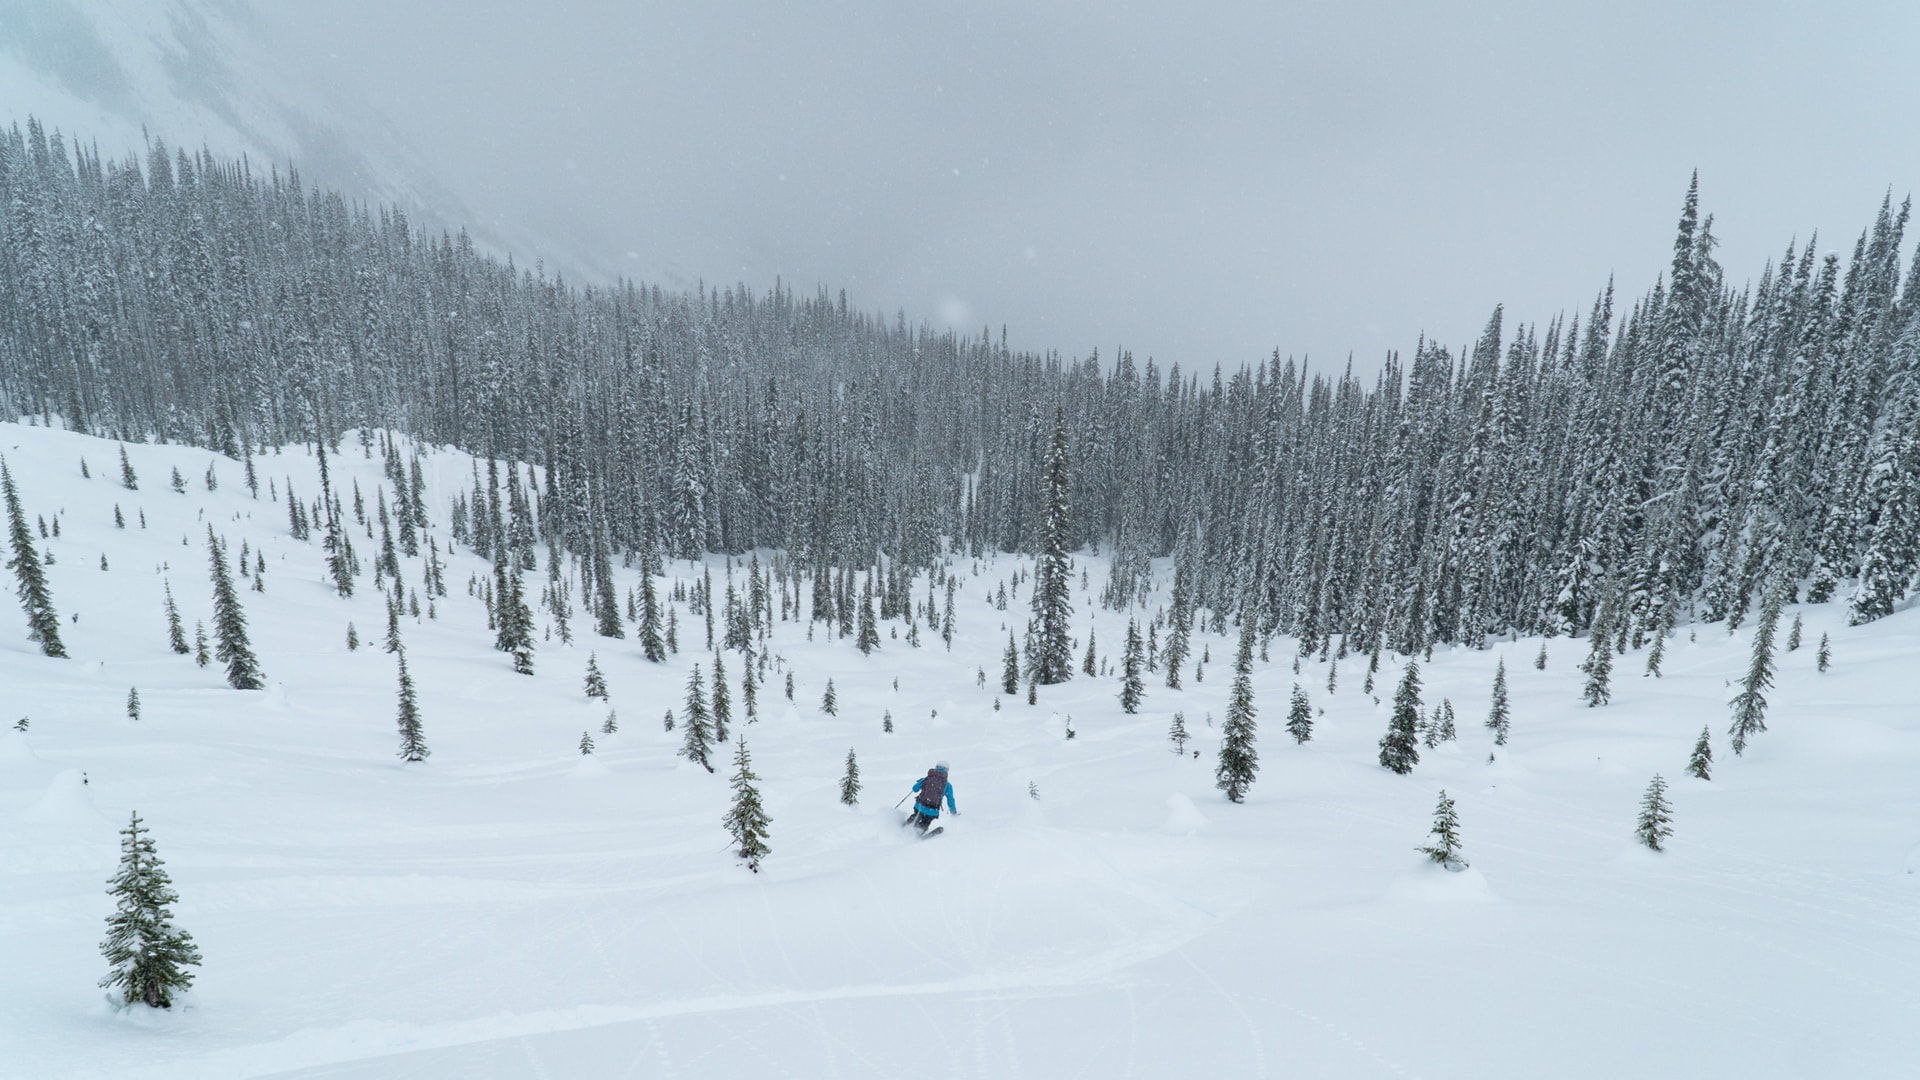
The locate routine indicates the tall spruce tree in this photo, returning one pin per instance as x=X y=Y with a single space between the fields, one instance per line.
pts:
x=696 y=738
x=1051 y=650
x=146 y=954
x=747 y=821
x=1238 y=760
x=1598 y=665
x=231 y=644
x=513 y=620
x=1132 y=662
x=128 y=479
x=413 y=739
x=1399 y=747
x=30 y=577
x=1180 y=626
x=722 y=700
x=1750 y=704
x=651 y=644
x=1010 y=668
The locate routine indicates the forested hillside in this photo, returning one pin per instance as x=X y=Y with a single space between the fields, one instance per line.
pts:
x=1619 y=469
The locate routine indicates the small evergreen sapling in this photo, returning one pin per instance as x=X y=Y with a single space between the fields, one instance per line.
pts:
x=1793 y=634
x=1500 y=716
x=850 y=782
x=127 y=478
x=1823 y=657
x=1177 y=733
x=1399 y=747
x=1299 y=715
x=1010 y=668
x=829 y=701
x=747 y=821
x=1656 y=815
x=586 y=744
x=200 y=655
x=596 y=685
x=1445 y=848
x=147 y=955
x=353 y=638
x=133 y=703
x=1701 y=763
x=1540 y=660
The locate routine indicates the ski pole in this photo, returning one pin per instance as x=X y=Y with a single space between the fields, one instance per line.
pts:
x=903 y=798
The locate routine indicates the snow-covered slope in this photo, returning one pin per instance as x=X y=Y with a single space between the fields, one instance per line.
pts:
x=510 y=909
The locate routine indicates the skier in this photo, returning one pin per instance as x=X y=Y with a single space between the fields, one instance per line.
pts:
x=926 y=808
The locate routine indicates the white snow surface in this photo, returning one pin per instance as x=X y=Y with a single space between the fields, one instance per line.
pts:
x=507 y=909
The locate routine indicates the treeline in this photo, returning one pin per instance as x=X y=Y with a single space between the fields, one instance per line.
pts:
x=1626 y=467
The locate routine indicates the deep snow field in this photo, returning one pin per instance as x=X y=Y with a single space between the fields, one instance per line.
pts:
x=510 y=909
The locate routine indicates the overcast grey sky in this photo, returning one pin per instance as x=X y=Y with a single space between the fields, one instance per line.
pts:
x=1197 y=182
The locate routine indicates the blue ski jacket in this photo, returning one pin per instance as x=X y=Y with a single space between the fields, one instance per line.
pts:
x=934 y=811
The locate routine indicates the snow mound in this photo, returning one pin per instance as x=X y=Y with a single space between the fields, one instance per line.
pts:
x=1432 y=883
x=65 y=802
x=1182 y=816
x=14 y=749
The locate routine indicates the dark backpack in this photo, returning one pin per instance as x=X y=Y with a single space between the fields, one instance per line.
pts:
x=932 y=789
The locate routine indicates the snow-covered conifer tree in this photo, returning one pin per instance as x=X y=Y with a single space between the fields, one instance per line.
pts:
x=1010 y=668
x=696 y=742
x=651 y=644
x=1177 y=733
x=829 y=701
x=1701 y=763
x=1051 y=651
x=1500 y=716
x=147 y=955
x=1299 y=715
x=1238 y=760
x=1656 y=815
x=230 y=624
x=1131 y=664
x=1598 y=665
x=722 y=700
x=596 y=683
x=1399 y=747
x=1750 y=704
x=1445 y=848
x=43 y=622
x=747 y=821
x=850 y=782
x=413 y=739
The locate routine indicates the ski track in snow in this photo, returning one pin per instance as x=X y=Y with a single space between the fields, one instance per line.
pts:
x=506 y=911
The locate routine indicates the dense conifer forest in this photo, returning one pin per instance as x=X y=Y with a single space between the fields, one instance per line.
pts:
x=1699 y=451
